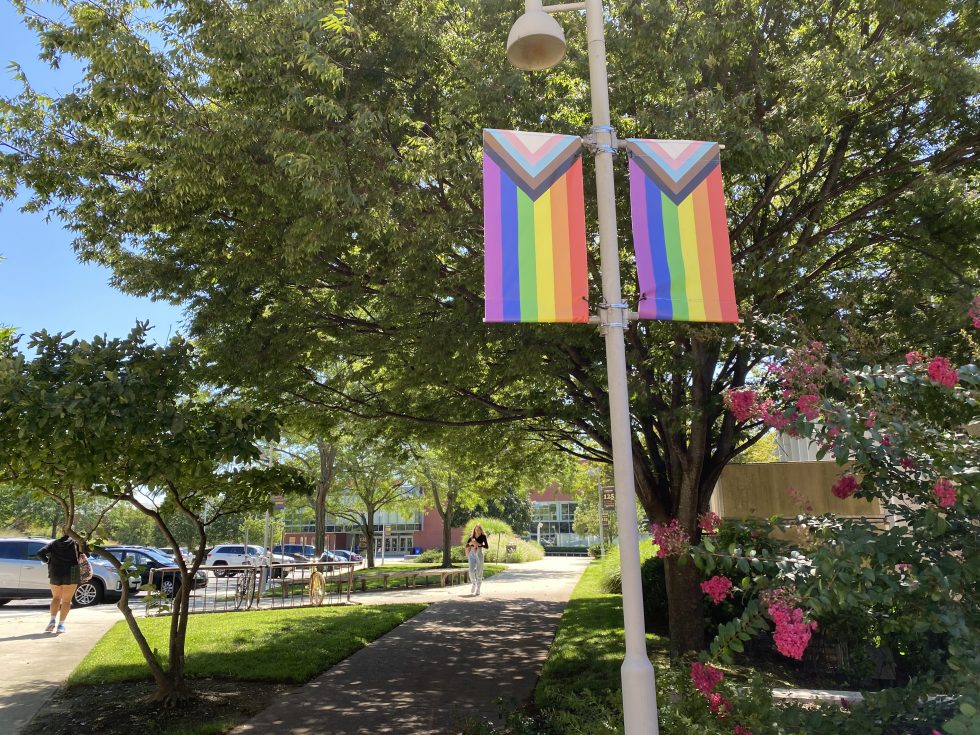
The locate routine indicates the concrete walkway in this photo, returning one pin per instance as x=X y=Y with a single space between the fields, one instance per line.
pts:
x=464 y=658
x=34 y=664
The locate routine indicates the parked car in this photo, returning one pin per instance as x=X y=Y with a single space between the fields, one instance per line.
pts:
x=300 y=552
x=23 y=576
x=149 y=559
x=347 y=555
x=224 y=555
x=328 y=555
x=185 y=553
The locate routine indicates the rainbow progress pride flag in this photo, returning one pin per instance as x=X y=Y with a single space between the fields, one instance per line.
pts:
x=680 y=231
x=534 y=228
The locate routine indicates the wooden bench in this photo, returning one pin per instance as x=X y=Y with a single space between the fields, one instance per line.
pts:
x=452 y=576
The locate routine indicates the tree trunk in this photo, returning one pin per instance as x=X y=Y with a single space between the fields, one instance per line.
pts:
x=685 y=604
x=328 y=457
x=369 y=538
x=447 y=531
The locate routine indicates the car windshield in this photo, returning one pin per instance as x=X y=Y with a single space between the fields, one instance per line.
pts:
x=155 y=555
x=255 y=551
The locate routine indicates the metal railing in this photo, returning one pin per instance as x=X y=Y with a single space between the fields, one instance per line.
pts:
x=227 y=588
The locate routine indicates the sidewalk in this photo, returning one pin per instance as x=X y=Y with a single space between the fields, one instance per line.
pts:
x=35 y=664
x=464 y=658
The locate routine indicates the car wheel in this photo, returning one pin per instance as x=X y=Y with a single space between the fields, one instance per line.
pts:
x=169 y=587
x=89 y=593
x=219 y=572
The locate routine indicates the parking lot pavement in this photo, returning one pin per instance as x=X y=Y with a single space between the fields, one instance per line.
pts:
x=35 y=663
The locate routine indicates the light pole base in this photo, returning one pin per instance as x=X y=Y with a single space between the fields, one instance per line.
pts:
x=639 y=696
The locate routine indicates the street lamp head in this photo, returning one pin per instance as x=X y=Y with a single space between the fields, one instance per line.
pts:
x=535 y=42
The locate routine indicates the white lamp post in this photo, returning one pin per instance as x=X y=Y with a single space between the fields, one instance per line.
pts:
x=537 y=42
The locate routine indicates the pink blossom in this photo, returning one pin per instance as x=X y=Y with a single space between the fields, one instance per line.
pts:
x=709 y=523
x=739 y=730
x=907 y=463
x=774 y=419
x=792 y=634
x=845 y=487
x=886 y=441
x=705 y=677
x=833 y=431
x=942 y=372
x=945 y=492
x=717 y=588
x=808 y=404
x=742 y=403
x=671 y=539
x=719 y=704
x=914 y=357
x=974 y=312
x=870 y=421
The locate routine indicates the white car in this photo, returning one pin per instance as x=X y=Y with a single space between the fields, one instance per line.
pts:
x=23 y=576
x=237 y=555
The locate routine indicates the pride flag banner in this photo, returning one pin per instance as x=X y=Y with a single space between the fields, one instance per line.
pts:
x=534 y=228
x=680 y=231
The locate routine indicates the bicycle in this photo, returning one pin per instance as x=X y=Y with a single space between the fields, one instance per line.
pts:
x=318 y=587
x=245 y=589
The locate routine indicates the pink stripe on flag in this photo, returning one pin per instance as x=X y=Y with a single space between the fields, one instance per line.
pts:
x=641 y=239
x=492 y=242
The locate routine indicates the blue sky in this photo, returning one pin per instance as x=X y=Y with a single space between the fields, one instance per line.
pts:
x=42 y=284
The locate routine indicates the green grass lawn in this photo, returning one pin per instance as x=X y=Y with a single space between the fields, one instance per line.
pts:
x=291 y=645
x=376 y=583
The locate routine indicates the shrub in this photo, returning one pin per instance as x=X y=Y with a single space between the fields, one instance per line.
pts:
x=490 y=526
x=434 y=556
x=511 y=549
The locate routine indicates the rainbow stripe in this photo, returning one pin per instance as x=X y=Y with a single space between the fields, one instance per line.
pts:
x=534 y=228
x=680 y=231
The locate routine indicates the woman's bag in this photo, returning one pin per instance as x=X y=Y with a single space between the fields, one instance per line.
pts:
x=84 y=567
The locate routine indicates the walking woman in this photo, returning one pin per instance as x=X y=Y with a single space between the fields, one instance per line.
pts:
x=474 y=555
x=62 y=557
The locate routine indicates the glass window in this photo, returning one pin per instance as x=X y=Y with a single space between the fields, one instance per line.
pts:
x=13 y=550
x=33 y=547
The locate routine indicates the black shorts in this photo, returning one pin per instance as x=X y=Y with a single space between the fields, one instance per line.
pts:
x=72 y=576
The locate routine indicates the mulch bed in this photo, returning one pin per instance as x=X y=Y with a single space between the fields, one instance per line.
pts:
x=124 y=709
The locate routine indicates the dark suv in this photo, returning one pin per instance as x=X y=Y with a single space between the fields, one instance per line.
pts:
x=148 y=560
x=302 y=552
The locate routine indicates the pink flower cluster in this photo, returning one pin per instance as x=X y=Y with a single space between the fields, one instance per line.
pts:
x=845 y=487
x=942 y=372
x=804 y=371
x=705 y=677
x=709 y=523
x=974 y=312
x=792 y=634
x=907 y=463
x=809 y=405
x=945 y=492
x=914 y=357
x=719 y=704
x=743 y=403
x=739 y=730
x=717 y=588
x=670 y=539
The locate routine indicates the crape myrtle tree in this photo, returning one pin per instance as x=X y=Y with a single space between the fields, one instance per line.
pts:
x=307 y=180
x=119 y=422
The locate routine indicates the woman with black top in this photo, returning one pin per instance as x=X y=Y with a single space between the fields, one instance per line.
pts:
x=61 y=556
x=474 y=555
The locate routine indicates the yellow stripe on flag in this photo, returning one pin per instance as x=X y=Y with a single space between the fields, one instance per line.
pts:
x=544 y=258
x=692 y=265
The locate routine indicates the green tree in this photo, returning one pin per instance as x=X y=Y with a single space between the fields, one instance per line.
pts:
x=371 y=477
x=308 y=182
x=95 y=424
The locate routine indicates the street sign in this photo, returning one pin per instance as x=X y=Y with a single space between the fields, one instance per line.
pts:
x=278 y=502
x=609 y=497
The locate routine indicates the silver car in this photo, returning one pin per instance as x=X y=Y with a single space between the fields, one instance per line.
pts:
x=24 y=577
